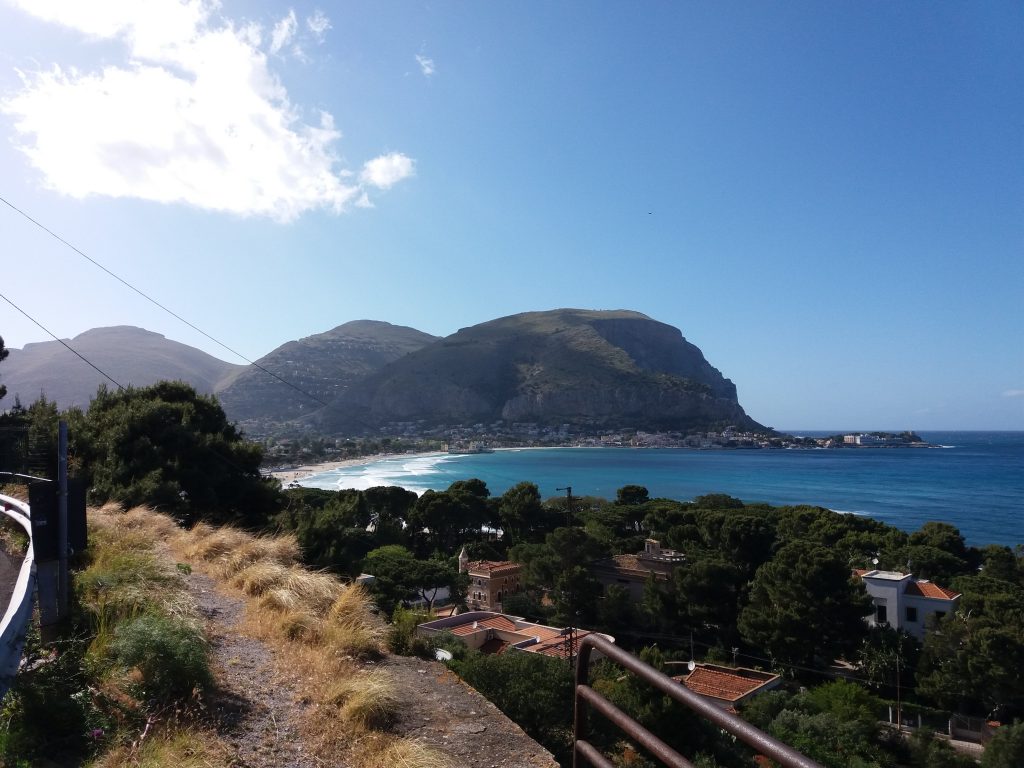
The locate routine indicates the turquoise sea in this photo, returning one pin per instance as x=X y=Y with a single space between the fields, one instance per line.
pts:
x=975 y=480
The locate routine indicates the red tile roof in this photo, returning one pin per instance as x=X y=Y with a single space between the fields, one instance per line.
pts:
x=557 y=646
x=492 y=567
x=493 y=622
x=927 y=589
x=724 y=683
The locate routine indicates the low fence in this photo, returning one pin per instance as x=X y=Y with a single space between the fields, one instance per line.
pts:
x=584 y=753
x=19 y=611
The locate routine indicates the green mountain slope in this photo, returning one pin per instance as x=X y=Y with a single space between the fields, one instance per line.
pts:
x=591 y=369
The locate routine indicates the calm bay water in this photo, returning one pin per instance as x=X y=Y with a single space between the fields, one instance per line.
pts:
x=975 y=481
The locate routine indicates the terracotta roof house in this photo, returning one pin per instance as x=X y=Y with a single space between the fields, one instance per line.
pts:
x=492 y=632
x=902 y=602
x=728 y=686
x=633 y=571
x=490 y=581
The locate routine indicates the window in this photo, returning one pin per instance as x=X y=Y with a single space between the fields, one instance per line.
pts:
x=881 y=617
x=911 y=614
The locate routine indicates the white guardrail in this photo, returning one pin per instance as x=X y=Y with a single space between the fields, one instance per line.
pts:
x=19 y=612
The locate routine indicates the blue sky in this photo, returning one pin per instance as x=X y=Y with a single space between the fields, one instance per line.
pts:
x=825 y=197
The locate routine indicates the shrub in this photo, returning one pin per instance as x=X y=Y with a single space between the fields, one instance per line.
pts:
x=402 y=633
x=170 y=654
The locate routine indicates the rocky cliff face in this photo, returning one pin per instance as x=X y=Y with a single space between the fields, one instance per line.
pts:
x=591 y=369
x=324 y=366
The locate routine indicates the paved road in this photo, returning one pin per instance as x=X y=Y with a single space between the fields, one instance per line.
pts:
x=9 y=567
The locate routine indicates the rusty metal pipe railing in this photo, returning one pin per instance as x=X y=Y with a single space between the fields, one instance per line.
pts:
x=584 y=753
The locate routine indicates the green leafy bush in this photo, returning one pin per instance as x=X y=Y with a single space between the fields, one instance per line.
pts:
x=170 y=655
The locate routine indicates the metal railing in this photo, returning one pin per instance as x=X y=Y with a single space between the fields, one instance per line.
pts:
x=584 y=753
x=16 y=620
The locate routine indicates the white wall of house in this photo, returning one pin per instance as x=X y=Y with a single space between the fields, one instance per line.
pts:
x=894 y=608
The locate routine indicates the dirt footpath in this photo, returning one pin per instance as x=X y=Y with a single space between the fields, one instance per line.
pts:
x=256 y=707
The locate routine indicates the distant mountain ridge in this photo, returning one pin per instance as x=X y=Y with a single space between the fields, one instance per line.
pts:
x=323 y=366
x=590 y=369
x=128 y=354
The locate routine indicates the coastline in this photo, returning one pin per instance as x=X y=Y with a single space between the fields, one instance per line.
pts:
x=293 y=474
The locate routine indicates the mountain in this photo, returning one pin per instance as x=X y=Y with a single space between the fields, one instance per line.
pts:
x=129 y=355
x=591 y=369
x=324 y=366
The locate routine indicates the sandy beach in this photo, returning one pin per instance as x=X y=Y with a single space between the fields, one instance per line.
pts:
x=292 y=474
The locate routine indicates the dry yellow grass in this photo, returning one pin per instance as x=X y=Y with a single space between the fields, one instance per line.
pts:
x=260 y=550
x=390 y=752
x=190 y=747
x=205 y=542
x=321 y=627
x=315 y=591
x=258 y=578
x=367 y=700
x=353 y=602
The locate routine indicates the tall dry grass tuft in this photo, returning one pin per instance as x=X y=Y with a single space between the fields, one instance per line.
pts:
x=351 y=628
x=353 y=602
x=391 y=752
x=367 y=700
x=356 y=639
x=206 y=543
x=302 y=626
x=153 y=523
x=280 y=600
x=282 y=550
x=316 y=591
x=258 y=578
x=191 y=747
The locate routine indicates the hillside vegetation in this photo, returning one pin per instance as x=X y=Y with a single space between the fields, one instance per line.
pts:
x=130 y=683
x=323 y=365
x=591 y=369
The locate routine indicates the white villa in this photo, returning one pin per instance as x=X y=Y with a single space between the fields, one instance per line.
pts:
x=903 y=602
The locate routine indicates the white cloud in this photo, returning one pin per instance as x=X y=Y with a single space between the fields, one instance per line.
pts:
x=194 y=115
x=1014 y=393
x=387 y=170
x=318 y=24
x=426 y=65
x=284 y=32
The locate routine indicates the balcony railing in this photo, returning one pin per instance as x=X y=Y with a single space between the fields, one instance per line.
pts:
x=584 y=753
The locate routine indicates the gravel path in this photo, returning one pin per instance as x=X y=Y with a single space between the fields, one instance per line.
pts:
x=257 y=707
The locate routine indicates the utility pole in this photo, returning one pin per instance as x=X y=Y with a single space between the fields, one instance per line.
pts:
x=899 y=705
x=568 y=504
x=62 y=519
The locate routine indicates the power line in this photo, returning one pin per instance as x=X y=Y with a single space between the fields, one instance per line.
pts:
x=67 y=346
x=153 y=301
x=88 y=362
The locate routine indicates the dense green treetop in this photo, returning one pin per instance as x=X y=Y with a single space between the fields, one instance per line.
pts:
x=168 y=446
x=1006 y=750
x=804 y=606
